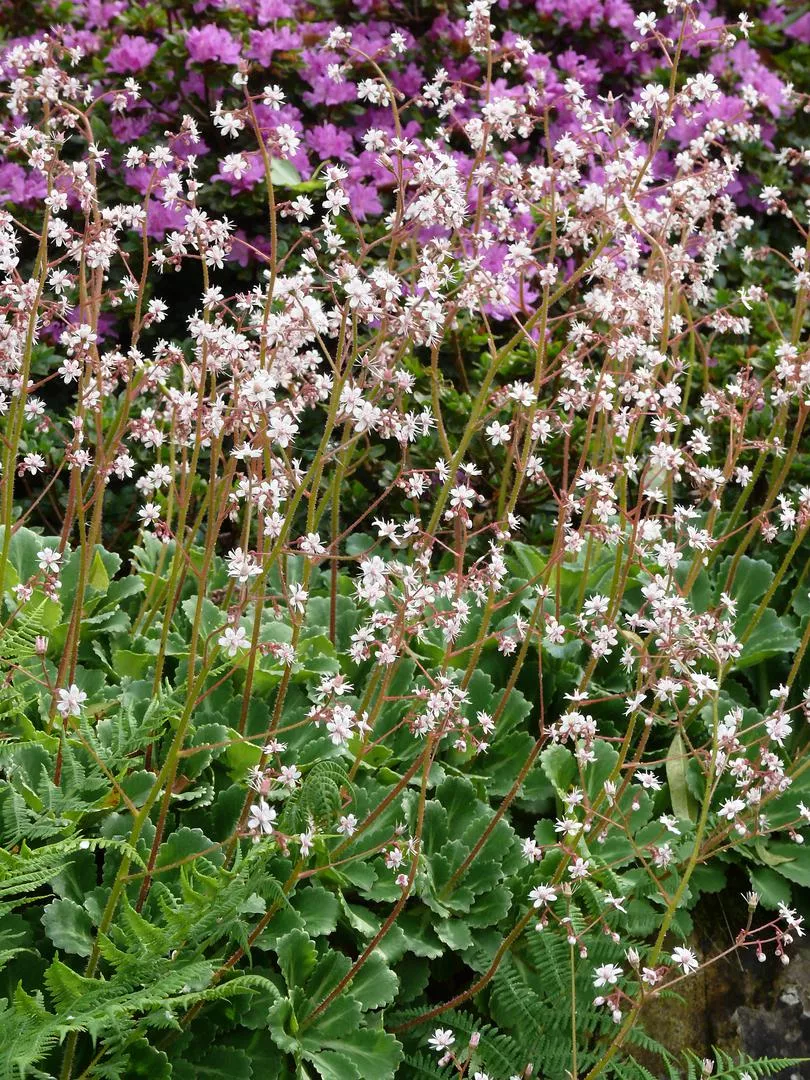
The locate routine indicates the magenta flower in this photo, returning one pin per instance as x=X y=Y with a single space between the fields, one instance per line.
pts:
x=270 y=10
x=131 y=54
x=263 y=43
x=22 y=186
x=212 y=43
x=327 y=140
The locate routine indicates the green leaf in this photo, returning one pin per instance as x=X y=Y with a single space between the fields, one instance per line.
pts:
x=144 y=1060
x=751 y=581
x=318 y=908
x=77 y=877
x=24 y=547
x=793 y=861
x=334 y=1066
x=181 y=848
x=212 y=618
x=103 y=563
x=240 y=755
x=774 y=635
x=772 y=888
x=99 y=578
x=375 y=984
x=455 y=933
x=683 y=803
x=526 y=561
x=296 y=957
x=69 y=927
x=215 y=739
x=336 y=1046
x=771 y=858
x=219 y=1061
x=559 y=766
x=131 y=664
x=708 y=879
x=606 y=758
x=490 y=907
x=284 y=173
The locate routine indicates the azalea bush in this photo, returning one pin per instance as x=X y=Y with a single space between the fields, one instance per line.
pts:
x=403 y=533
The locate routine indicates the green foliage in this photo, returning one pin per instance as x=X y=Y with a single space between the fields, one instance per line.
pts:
x=725 y=1067
x=146 y=932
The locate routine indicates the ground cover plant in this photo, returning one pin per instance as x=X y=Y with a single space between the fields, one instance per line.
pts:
x=404 y=593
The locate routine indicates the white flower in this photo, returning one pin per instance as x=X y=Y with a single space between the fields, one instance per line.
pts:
x=579 y=869
x=149 y=513
x=685 y=959
x=311 y=544
x=606 y=975
x=242 y=565
x=442 y=1039
x=71 y=701
x=793 y=920
x=298 y=598
x=498 y=434
x=262 y=816
x=462 y=495
x=340 y=724
x=542 y=894
x=731 y=808
x=305 y=840
x=645 y=23
x=49 y=559
x=273 y=97
x=289 y=776
x=234 y=640
x=616 y=902
x=235 y=165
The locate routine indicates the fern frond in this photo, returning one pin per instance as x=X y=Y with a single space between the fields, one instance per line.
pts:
x=729 y=1068
x=18 y=641
x=116 y=737
x=421 y=1067
x=29 y=869
x=318 y=799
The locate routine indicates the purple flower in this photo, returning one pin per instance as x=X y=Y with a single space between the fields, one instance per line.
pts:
x=243 y=254
x=129 y=128
x=21 y=186
x=212 y=43
x=800 y=29
x=408 y=81
x=263 y=43
x=329 y=141
x=269 y=10
x=364 y=200
x=131 y=54
x=751 y=69
x=325 y=91
x=100 y=14
x=161 y=219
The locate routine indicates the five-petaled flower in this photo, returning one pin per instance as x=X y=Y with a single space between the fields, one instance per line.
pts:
x=70 y=701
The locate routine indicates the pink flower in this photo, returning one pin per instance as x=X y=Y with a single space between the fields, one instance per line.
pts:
x=211 y=42
x=131 y=54
x=269 y=10
x=800 y=29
